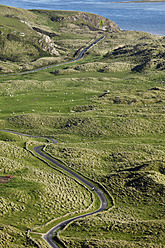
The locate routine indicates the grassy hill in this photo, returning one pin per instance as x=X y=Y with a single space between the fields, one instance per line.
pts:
x=107 y=114
x=30 y=39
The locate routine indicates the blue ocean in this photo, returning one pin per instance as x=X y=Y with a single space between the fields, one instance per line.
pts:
x=148 y=17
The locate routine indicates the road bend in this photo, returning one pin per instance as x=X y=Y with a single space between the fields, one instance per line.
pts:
x=103 y=201
x=80 y=56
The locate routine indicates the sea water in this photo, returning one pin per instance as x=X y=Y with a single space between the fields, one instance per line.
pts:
x=146 y=16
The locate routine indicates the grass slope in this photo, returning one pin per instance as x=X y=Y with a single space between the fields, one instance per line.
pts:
x=36 y=194
x=35 y=38
x=107 y=113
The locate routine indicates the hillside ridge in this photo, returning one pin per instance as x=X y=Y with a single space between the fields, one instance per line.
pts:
x=29 y=35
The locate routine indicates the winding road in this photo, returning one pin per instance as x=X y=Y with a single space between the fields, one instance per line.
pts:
x=80 y=56
x=103 y=202
x=103 y=205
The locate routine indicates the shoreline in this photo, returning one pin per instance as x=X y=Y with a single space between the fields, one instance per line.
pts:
x=141 y=1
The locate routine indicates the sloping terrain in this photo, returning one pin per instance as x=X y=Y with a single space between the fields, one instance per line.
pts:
x=107 y=114
x=28 y=36
x=35 y=195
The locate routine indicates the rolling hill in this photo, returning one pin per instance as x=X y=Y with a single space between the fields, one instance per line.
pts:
x=107 y=113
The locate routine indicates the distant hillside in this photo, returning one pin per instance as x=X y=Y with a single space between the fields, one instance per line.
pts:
x=34 y=38
x=29 y=35
x=81 y=19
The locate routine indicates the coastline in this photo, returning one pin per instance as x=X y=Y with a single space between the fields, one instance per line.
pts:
x=139 y=15
x=141 y=1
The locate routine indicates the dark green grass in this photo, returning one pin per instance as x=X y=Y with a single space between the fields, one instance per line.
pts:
x=109 y=126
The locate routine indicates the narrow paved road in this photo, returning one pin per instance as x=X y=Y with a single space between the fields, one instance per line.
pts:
x=103 y=201
x=80 y=56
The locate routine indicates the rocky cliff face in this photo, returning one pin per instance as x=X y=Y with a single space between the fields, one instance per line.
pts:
x=94 y=22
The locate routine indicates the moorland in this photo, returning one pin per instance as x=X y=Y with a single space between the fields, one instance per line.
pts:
x=107 y=113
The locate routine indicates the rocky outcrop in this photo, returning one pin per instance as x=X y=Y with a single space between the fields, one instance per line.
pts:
x=45 y=41
x=93 y=21
x=48 y=45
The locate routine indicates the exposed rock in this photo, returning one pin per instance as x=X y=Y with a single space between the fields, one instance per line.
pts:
x=48 y=45
x=26 y=23
x=95 y=21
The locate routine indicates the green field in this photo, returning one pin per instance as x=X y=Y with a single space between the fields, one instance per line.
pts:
x=107 y=113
